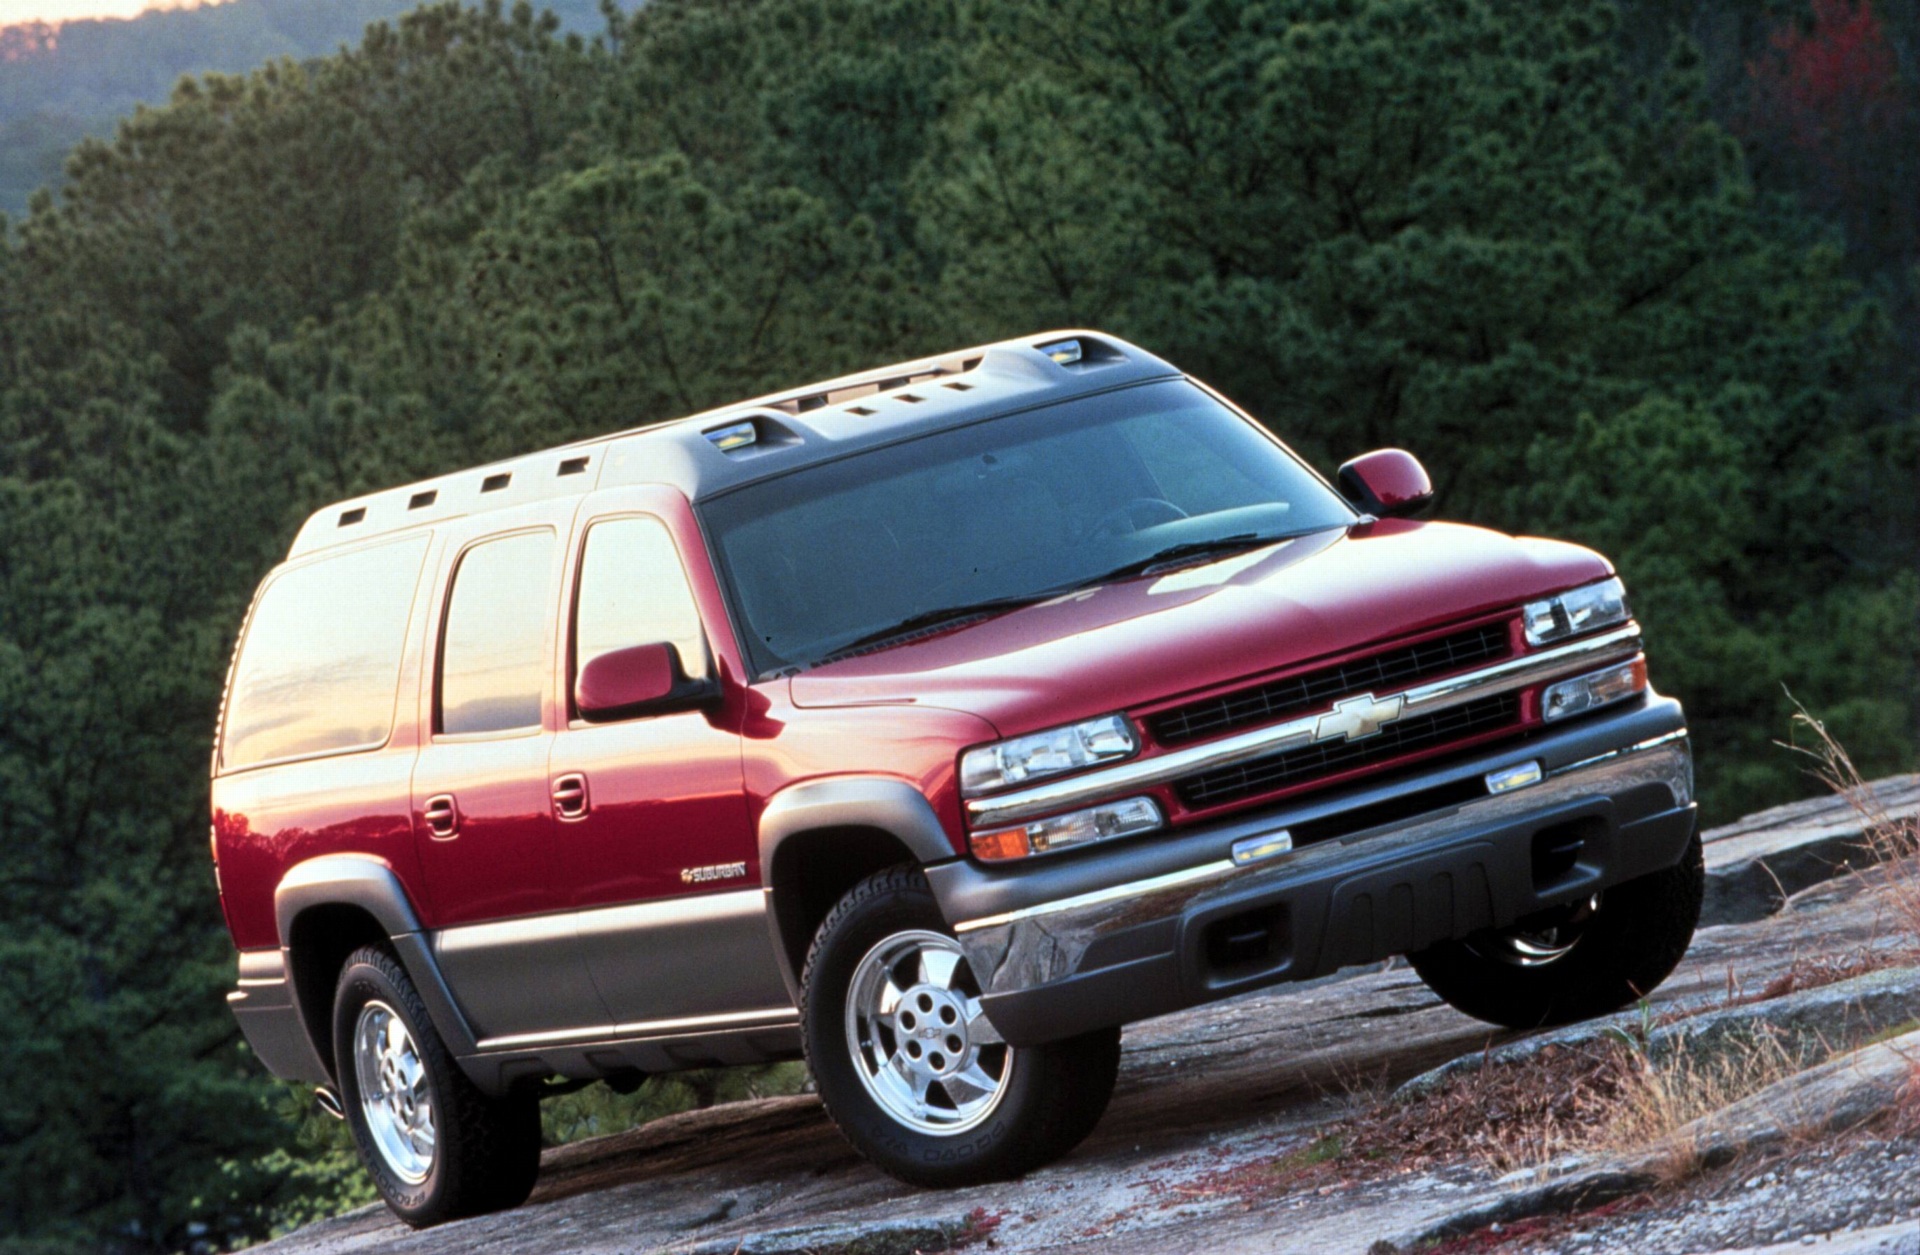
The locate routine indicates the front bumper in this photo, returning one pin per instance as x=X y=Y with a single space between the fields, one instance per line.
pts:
x=1161 y=924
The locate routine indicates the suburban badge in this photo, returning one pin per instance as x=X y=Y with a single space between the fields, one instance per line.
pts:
x=713 y=871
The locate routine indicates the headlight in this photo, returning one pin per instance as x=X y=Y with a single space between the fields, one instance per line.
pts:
x=1046 y=754
x=1590 y=692
x=1571 y=613
x=1059 y=832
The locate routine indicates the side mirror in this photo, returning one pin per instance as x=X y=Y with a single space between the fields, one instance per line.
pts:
x=1387 y=483
x=642 y=680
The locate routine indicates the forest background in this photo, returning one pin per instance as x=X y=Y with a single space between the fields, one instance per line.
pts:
x=1640 y=273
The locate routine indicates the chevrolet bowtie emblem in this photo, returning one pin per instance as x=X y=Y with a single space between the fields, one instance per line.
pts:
x=1354 y=717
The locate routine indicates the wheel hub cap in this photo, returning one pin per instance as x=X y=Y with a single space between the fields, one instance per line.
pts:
x=921 y=1044
x=1540 y=942
x=395 y=1097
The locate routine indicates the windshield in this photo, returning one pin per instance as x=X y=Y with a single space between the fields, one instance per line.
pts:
x=1015 y=507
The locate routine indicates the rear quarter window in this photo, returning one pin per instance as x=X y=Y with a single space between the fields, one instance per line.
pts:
x=320 y=664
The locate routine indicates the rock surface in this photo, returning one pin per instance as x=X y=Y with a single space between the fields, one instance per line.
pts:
x=1837 y=1096
x=1834 y=1015
x=1208 y=1101
x=1756 y=863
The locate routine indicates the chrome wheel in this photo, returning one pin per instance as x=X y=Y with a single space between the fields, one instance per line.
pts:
x=921 y=1045
x=1541 y=940
x=395 y=1097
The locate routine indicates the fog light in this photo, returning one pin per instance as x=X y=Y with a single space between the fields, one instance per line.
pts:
x=1590 y=692
x=1507 y=779
x=1059 y=832
x=1254 y=849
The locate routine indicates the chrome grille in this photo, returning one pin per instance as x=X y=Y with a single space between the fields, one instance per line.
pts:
x=1268 y=703
x=1407 y=736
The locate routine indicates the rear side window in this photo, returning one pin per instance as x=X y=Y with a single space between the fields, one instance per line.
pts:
x=321 y=661
x=493 y=652
x=633 y=591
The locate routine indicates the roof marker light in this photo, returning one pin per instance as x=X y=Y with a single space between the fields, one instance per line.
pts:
x=735 y=436
x=1063 y=352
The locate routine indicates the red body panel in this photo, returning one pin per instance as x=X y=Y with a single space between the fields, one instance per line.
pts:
x=1149 y=640
x=266 y=821
x=664 y=791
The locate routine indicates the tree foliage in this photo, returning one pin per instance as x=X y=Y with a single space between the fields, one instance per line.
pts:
x=1534 y=243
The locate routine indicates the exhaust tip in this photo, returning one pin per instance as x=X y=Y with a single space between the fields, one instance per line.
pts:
x=329 y=1102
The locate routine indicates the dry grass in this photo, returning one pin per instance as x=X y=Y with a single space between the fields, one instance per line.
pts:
x=1671 y=1094
x=1505 y=1115
x=1814 y=971
x=1895 y=842
x=1607 y=1095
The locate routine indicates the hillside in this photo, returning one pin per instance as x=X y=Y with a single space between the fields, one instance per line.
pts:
x=59 y=85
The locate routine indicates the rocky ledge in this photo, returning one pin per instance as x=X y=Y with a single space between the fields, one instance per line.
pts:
x=1225 y=1133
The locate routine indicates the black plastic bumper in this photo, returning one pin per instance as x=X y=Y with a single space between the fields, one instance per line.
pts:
x=271 y=1021
x=1162 y=925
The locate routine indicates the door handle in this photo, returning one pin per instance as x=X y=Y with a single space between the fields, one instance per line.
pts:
x=570 y=796
x=442 y=816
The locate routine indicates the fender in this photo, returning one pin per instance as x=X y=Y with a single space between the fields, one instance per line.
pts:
x=886 y=804
x=368 y=883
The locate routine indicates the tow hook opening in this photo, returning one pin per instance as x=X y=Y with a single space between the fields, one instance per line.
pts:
x=1557 y=849
x=1250 y=942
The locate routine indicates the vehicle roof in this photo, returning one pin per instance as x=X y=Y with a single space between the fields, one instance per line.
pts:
x=794 y=428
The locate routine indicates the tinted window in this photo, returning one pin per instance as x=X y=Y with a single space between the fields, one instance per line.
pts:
x=1030 y=503
x=633 y=591
x=321 y=661
x=493 y=653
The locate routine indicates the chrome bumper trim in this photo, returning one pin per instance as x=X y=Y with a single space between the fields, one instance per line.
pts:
x=1046 y=942
x=1681 y=735
x=1138 y=888
x=1423 y=699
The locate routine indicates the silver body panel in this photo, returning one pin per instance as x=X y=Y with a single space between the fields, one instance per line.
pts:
x=684 y=966
x=519 y=975
x=683 y=958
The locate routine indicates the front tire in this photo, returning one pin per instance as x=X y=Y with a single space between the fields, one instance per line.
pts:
x=1578 y=962
x=909 y=1067
x=436 y=1147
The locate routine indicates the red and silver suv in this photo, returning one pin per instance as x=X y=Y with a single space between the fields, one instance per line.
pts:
x=930 y=724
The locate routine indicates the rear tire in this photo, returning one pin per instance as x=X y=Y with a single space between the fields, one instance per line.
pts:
x=1576 y=963
x=436 y=1147
x=911 y=1071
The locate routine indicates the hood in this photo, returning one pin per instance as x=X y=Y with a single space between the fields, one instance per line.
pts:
x=1144 y=640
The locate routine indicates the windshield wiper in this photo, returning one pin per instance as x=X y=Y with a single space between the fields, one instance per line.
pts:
x=980 y=609
x=934 y=618
x=1189 y=549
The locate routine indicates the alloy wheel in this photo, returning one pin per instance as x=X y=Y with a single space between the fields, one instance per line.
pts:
x=921 y=1044
x=395 y=1096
